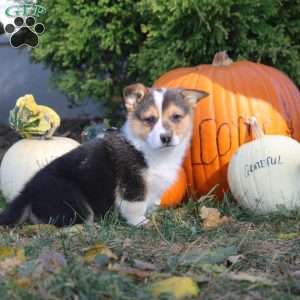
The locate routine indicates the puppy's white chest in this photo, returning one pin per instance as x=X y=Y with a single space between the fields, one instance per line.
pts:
x=162 y=177
x=157 y=185
x=158 y=179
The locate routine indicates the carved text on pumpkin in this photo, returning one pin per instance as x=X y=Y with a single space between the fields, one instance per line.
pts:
x=261 y=164
x=224 y=132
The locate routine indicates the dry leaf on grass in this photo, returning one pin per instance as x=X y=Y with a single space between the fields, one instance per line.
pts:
x=6 y=252
x=243 y=276
x=72 y=230
x=9 y=264
x=231 y=260
x=49 y=261
x=212 y=218
x=143 y=265
x=199 y=278
x=197 y=256
x=125 y=270
x=98 y=250
x=10 y=258
x=288 y=236
x=212 y=268
x=23 y=282
x=177 y=287
x=30 y=230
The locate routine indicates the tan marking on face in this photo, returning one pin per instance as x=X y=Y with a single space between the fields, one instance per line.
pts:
x=137 y=124
x=183 y=126
x=152 y=111
x=134 y=94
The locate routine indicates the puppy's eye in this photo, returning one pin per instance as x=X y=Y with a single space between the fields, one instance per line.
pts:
x=150 y=121
x=176 y=118
x=139 y=96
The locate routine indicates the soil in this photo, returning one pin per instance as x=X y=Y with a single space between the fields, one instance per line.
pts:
x=71 y=128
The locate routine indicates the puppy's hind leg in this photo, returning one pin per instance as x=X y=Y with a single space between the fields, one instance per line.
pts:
x=130 y=196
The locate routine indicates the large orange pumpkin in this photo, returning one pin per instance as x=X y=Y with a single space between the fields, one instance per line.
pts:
x=237 y=90
x=176 y=192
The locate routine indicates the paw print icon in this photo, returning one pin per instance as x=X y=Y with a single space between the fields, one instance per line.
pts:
x=24 y=32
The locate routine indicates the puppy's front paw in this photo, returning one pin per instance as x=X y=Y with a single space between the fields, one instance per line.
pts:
x=140 y=221
x=133 y=211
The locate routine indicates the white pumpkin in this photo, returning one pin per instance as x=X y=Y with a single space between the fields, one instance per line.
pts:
x=264 y=174
x=23 y=159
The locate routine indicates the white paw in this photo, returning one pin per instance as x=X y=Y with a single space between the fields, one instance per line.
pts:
x=133 y=211
x=140 y=221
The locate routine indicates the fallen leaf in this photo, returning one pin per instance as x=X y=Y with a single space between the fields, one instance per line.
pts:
x=209 y=268
x=177 y=287
x=98 y=249
x=198 y=256
x=243 y=276
x=30 y=230
x=176 y=248
x=49 y=261
x=212 y=218
x=233 y=259
x=71 y=230
x=203 y=278
x=9 y=264
x=23 y=282
x=143 y=265
x=288 y=236
x=10 y=258
x=131 y=271
x=6 y=252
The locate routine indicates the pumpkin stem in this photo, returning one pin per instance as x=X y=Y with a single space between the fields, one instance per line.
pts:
x=221 y=59
x=256 y=129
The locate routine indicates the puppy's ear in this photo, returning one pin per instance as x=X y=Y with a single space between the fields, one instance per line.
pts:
x=193 y=96
x=134 y=94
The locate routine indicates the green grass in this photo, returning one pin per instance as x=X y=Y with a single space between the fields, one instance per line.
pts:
x=270 y=247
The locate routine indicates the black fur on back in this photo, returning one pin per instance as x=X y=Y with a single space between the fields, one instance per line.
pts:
x=90 y=174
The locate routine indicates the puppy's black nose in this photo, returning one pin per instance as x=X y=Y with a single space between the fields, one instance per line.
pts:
x=166 y=138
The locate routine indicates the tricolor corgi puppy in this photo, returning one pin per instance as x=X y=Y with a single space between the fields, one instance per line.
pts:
x=129 y=169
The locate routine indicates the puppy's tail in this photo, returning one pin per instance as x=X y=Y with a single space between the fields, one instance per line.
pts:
x=16 y=212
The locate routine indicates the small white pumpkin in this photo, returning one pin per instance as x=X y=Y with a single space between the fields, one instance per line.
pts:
x=264 y=174
x=23 y=159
